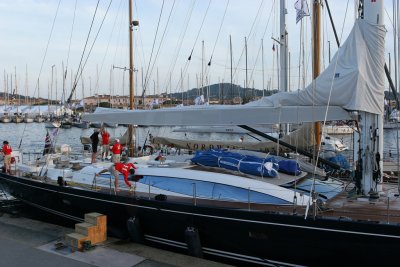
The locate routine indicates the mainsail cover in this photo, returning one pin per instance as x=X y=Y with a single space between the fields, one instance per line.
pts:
x=354 y=80
x=355 y=75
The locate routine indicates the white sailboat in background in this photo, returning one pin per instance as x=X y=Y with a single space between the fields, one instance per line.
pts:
x=232 y=215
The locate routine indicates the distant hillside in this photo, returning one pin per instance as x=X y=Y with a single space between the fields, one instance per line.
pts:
x=21 y=98
x=223 y=91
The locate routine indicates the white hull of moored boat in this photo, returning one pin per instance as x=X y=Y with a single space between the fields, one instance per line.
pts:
x=52 y=125
x=17 y=119
x=5 y=120
x=39 y=119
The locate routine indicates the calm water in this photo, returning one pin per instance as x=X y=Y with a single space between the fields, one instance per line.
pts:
x=30 y=137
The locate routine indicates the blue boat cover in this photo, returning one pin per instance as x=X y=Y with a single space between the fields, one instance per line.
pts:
x=264 y=167
x=340 y=160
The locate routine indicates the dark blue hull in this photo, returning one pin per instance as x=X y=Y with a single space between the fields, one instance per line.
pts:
x=235 y=236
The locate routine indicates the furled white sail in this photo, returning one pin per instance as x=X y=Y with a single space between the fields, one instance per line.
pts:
x=353 y=81
x=355 y=75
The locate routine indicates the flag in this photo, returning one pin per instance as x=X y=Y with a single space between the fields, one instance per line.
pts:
x=49 y=141
x=47 y=144
x=302 y=10
x=273 y=47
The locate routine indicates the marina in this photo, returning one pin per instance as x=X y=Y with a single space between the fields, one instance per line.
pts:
x=304 y=175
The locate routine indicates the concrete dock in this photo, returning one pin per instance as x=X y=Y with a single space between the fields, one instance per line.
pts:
x=26 y=242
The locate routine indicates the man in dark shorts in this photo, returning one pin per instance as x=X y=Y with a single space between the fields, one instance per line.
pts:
x=95 y=142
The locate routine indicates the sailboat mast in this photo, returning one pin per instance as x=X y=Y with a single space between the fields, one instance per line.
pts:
x=262 y=66
x=16 y=89
x=316 y=58
x=131 y=24
x=230 y=50
x=283 y=59
x=245 y=52
x=131 y=71
x=370 y=123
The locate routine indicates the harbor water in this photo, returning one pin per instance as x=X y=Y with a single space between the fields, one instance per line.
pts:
x=30 y=137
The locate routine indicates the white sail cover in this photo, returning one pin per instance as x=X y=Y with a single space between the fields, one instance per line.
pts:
x=354 y=79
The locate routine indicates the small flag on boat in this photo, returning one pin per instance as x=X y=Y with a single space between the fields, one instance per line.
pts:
x=302 y=10
x=49 y=141
x=47 y=144
x=273 y=47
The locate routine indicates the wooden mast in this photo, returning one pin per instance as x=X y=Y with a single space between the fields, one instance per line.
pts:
x=316 y=57
x=131 y=85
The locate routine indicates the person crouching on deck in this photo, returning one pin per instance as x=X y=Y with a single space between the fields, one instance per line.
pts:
x=127 y=170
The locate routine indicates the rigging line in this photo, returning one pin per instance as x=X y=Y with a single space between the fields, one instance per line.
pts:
x=70 y=40
x=259 y=50
x=390 y=19
x=301 y=55
x=47 y=47
x=250 y=33
x=41 y=67
x=183 y=75
x=331 y=19
x=84 y=49
x=180 y=42
x=269 y=18
x=142 y=58
x=119 y=47
x=155 y=38
x=258 y=53
x=198 y=32
x=146 y=81
x=140 y=39
x=111 y=37
x=194 y=44
x=219 y=31
x=255 y=19
x=255 y=63
x=216 y=41
x=94 y=41
x=88 y=55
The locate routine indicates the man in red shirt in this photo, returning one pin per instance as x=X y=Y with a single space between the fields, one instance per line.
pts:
x=127 y=170
x=105 y=143
x=7 y=156
x=116 y=150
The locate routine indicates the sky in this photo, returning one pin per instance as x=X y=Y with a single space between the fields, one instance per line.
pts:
x=40 y=39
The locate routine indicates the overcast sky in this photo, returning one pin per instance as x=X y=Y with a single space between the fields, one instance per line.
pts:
x=31 y=44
